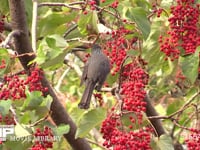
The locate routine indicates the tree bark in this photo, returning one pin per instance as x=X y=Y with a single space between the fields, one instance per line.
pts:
x=23 y=46
x=150 y=111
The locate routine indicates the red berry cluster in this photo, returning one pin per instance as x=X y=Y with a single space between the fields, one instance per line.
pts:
x=14 y=86
x=115 y=4
x=34 y=80
x=157 y=10
x=43 y=139
x=8 y=120
x=92 y=4
x=118 y=50
x=122 y=140
x=134 y=80
x=193 y=142
x=183 y=36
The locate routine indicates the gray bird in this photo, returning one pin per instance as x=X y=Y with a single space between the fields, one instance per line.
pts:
x=94 y=74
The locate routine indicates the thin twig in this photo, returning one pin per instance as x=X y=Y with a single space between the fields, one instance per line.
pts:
x=70 y=5
x=112 y=13
x=70 y=30
x=178 y=111
x=60 y=81
x=74 y=66
x=180 y=126
x=14 y=114
x=34 y=25
x=25 y=54
x=97 y=144
x=80 y=40
x=40 y=120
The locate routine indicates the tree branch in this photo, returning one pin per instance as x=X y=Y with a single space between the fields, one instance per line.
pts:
x=22 y=45
x=150 y=111
x=70 y=5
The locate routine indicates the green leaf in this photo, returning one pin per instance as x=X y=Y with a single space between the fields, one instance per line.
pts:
x=17 y=144
x=62 y=129
x=51 y=51
x=76 y=113
x=88 y=23
x=160 y=109
x=5 y=106
x=21 y=131
x=82 y=23
x=4 y=6
x=29 y=10
x=164 y=142
x=4 y=57
x=189 y=65
x=47 y=102
x=89 y=120
x=138 y=15
x=174 y=106
x=94 y=21
x=34 y=99
x=52 y=21
x=51 y=42
x=27 y=117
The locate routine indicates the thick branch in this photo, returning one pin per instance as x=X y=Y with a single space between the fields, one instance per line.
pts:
x=150 y=111
x=23 y=46
x=18 y=22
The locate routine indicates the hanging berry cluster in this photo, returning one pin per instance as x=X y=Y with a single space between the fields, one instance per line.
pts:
x=13 y=87
x=43 y=139
x=183 y=36
x=118 y=51
x=117 y=136
x=134 y=80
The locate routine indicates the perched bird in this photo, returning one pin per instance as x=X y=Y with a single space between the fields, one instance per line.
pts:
x=94 y=74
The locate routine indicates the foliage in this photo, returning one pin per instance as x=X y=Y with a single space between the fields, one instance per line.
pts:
x=153 y=47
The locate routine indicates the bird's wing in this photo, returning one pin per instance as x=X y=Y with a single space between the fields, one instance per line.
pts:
x=85 y=72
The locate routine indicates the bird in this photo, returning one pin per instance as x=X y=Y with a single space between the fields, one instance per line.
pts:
x=94 y=74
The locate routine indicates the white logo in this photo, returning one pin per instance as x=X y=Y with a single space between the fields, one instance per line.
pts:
x=6 y=130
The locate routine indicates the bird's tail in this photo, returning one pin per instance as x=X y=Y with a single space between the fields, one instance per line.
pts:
x=87 y=94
